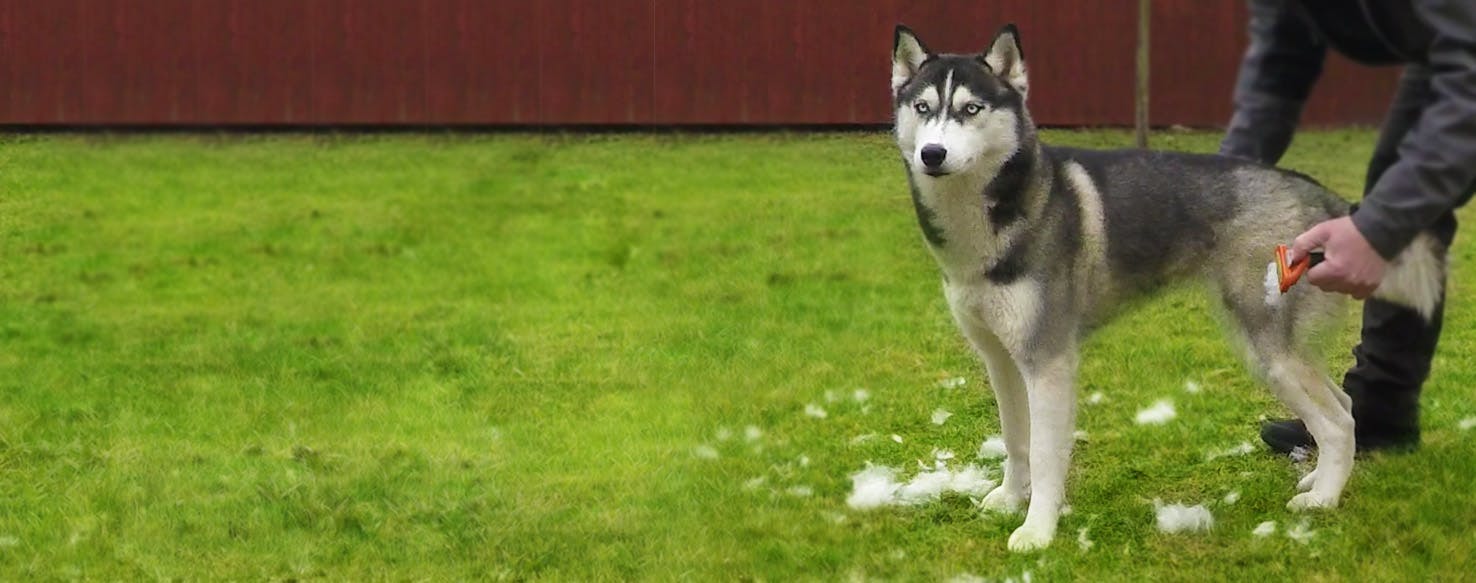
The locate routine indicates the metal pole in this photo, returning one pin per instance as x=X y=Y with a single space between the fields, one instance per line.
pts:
x=1140 y=125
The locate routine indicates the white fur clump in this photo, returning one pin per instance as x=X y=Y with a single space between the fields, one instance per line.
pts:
x=925 y=486
x=953 y=383
x=1159 y=413
x=877 y=486
x=1231 y=497
x=1174 y=518
x=1096 y=398
x=1240 y=449
x=1082 y=541
x=706 y=452
x=813 y=410
x=992 y=448
x=1300 y=454
x=1467 y=423
x=873 y=487
x=931 y=485
x=940 y=416
x=1302 y=532
x=972 y=480
x=1273 y=285
x=1264 y=529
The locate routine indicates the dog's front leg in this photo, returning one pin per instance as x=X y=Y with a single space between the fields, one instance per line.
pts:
x=1014 y=421
x=1049 y=382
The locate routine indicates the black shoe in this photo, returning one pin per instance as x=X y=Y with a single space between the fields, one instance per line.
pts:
x=1285 y=435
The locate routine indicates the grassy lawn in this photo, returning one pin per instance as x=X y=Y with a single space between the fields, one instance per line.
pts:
x=576 y=358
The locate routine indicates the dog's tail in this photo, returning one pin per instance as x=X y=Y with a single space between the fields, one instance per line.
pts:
x=1416 y=278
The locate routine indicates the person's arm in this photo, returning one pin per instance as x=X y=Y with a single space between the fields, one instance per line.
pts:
x=1281 y=65
x=1437 y=158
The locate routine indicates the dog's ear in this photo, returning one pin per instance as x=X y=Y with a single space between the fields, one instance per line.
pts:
x=1007 y=59
x=908 y=55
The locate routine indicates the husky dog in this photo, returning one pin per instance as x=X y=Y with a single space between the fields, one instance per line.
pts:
x=1037 y=244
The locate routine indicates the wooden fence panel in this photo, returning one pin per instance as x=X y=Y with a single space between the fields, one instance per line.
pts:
x=612 y=62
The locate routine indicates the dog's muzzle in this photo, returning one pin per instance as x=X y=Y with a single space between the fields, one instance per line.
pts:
x=932 y=157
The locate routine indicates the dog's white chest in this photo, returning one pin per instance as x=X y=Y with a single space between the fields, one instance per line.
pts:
x=1006 y=311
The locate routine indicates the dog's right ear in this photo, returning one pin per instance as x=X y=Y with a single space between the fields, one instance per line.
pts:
x=1007 y=59
x=908 y=55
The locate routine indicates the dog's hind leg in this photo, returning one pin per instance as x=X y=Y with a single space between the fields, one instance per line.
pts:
x=1310 y=394
x=1049 y=381
x=1014 y=420
x=1276 y=338
x=1343 y=399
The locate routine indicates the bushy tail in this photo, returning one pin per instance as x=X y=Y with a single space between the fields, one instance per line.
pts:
x=1416 y=278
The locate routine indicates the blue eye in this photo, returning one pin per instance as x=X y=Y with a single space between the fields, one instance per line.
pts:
x=921 y=107
x=973 y=109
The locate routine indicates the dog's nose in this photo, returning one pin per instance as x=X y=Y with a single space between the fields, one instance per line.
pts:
x=933 y=155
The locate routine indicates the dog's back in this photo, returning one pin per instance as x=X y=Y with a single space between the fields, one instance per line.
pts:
x=1175 y=214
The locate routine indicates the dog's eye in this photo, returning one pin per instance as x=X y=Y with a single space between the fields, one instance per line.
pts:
x=921 y=107
x=973 y=109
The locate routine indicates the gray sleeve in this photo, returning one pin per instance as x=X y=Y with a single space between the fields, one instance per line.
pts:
x=1280 y=67
x=1437 y=158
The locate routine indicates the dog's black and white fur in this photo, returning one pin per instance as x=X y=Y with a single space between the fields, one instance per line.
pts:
x=1036 y=244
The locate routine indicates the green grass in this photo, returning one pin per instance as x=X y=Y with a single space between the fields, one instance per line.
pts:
x=421 y=357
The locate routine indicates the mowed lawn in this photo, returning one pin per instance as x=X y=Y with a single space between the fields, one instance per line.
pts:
x=571 y=357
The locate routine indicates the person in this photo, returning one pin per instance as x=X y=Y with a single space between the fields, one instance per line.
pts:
x=1423 y=167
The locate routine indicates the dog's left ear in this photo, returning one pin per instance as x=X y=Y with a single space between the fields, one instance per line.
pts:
x=1007 y=59
x=908 y=55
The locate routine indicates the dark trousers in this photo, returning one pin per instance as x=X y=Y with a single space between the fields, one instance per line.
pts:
x=1393 y=357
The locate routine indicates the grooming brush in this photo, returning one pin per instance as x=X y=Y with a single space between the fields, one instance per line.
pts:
x=1281 y=275
x=1289 y=273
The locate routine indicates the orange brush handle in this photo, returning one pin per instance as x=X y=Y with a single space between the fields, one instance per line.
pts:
x=1290 y=273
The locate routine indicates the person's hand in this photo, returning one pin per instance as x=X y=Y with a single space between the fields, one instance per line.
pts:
x=1350 y=264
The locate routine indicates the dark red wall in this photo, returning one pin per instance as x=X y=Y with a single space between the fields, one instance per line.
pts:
x=527 y=62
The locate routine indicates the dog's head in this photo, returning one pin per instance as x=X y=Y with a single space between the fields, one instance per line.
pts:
x=957 y=112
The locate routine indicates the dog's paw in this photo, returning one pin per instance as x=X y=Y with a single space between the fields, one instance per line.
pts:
x=1311 y=501
x=1002 y=499
x=1027 y=538
x=1305 y=484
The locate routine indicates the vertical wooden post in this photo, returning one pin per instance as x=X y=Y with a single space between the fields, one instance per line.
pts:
x=1140 y=126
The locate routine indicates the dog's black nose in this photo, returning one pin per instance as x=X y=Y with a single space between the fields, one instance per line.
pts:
x=933 y=155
